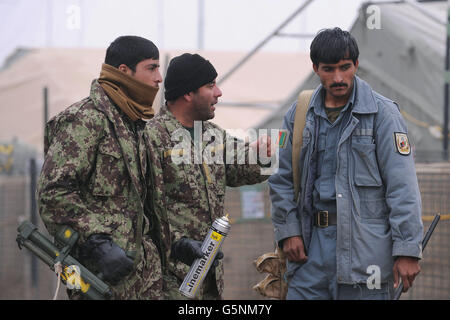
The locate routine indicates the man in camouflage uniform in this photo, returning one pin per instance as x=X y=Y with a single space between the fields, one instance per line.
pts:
x=94 y=177
x=189 y=189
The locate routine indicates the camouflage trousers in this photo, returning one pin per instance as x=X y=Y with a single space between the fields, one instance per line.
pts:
x=144 y=283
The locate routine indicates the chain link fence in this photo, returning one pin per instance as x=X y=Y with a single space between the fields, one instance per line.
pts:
x=25 y=277
x=250 y=238
x=433 y=281
x=22 y=276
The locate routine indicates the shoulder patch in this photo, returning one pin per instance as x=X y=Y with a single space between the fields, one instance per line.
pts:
x=402 y=143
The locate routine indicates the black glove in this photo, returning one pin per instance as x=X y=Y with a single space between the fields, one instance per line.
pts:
x=111 y=260
x=187 y=251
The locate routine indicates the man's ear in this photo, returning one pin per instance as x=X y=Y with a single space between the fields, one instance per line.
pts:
x=124 y=68
x=188 y=96
x=315 y=68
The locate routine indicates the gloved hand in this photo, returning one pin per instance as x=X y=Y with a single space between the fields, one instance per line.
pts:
x=187 y=251
x=110 y=259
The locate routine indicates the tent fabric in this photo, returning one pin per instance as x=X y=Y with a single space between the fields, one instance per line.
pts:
x=265 y=80
x=404 y=61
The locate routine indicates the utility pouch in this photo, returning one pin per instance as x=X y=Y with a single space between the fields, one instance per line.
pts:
x=273 y=285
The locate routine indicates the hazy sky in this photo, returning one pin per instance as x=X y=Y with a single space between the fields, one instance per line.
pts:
x=228 y=25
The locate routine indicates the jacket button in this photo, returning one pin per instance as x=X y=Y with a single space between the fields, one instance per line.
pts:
x=339 y=195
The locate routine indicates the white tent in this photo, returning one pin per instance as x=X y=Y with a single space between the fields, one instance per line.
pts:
x=266 y=80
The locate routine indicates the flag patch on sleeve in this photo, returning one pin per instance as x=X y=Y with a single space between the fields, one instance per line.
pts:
x=282 y=138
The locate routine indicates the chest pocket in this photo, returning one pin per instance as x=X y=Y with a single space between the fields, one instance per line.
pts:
x=366 y=172
x=110 y=177
x=368 y=180
x=179 y=177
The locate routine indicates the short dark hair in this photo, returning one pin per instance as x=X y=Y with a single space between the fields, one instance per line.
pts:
x=333 y=45
x=130 y=50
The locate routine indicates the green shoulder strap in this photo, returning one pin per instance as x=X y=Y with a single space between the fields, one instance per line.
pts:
x=297 y=139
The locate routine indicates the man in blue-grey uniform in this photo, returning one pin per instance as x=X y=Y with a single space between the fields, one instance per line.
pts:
x=356 y=228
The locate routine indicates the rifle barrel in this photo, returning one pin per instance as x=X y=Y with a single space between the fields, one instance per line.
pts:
x=427 y=237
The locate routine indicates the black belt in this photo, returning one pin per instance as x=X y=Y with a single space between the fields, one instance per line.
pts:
x=324 y=219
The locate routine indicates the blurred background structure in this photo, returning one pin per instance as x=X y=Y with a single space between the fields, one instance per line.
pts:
x=51 y=51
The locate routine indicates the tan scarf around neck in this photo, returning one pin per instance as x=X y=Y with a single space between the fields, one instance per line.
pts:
x=134 y=97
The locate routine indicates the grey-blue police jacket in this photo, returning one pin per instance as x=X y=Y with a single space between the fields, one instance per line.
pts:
x=377 y=193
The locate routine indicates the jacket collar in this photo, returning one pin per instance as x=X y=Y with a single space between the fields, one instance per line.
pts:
x=103 y=103
x=173 y=124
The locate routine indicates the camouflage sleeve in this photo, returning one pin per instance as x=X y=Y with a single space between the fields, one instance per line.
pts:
x=243 y=170
x=71 y=147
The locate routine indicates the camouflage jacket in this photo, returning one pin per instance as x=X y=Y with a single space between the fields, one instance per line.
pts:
x=93 y=176
x=189 y=196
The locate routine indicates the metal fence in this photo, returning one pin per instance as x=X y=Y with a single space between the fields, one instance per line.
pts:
x=22 y=277
x=433 y=281
x=249 y=239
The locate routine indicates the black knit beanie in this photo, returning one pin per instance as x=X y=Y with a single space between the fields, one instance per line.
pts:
x=187 y=73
